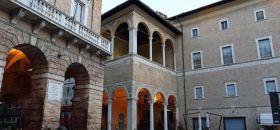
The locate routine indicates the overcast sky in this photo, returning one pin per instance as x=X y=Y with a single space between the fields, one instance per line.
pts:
x=168 y=7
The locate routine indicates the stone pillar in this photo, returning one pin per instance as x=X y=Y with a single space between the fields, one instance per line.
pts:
x=109 y=123
x=52 y=103
x=151 y=115
x=94 y=108
x=165 y=117
x=151 y=47
x=163 y=54
x=2 y=64
x=177 y=116
x=174 y=60
x=133 y=40
x=131 y=113
x=113 y=45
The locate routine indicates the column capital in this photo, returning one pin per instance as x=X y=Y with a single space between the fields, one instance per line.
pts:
x=133 y=29
x=151 y=102
x=109 y=101
x=131 y=98
x=163 y=44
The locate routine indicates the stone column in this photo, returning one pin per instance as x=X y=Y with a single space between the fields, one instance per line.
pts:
x=163 y=54
x=109 y=123
x=177 y=116
x=151 y=115
x=151 y=47
x=165 y=117
x=131 y=113
x=133 y=40
x=2 y=64
x=52 y=103
x=174 y=60
x=113 y=45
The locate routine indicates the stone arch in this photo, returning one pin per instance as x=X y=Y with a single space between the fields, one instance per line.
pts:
x=139 y=89
x=119 y=87
x=146 y=25
x=169 y=54
x=79 y=103
x=143 y=40
x=24 y=82
x=119 y=107
x=121 y=40
x=172 y=113
x=171 y=41
x=143 y=108
x=119 y=22
x=157 y=50
x=162 y=94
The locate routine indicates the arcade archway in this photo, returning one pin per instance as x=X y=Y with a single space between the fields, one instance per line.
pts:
x=119 y=109
x=74 y=110
x=159 y=101
x=143 y=109
x=171 y=112
x=24 y=86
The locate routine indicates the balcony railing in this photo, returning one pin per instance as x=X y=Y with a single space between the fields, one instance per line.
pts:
x=60 y=19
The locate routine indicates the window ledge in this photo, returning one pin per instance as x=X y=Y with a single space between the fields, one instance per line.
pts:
x=231 y=96
x=259 y=21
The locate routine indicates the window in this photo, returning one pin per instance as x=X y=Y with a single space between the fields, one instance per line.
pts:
x=260 y=15
x=78 y=11
x=235 y=123
x=198 y=92
x=227 y=54
x=203 y=122
x=224 y=24
x=195 y=32
x=270 y=85
x=231 y=90
x=264 y=46
x=196 y=60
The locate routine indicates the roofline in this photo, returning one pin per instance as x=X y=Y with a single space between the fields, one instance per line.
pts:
x=145 y=8
x=216 y=4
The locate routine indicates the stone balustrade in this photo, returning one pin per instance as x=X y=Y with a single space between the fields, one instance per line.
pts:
x=54 y=16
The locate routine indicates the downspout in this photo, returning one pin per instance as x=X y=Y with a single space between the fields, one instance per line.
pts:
x=92 y=9
x=184 y=75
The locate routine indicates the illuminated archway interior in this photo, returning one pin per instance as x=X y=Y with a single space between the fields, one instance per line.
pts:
x=159 y=111
x=143 y=110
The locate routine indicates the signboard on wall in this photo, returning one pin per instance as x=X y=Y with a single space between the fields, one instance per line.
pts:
x=55 y=90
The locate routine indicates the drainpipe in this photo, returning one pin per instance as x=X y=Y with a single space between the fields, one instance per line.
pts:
x=184 y=75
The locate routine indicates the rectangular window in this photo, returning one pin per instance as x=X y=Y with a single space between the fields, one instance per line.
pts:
x=196 y=60
x=231 y=90
x=224 y=24
x=203 y=122
x=270 y=85
x=195 y=32
x=265 y=47
x=199 y=92
x=260 y=15
x=227 y=54
x=235 y=123
x=78 y=11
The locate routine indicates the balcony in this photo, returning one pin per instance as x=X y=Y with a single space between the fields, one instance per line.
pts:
x=54 y=20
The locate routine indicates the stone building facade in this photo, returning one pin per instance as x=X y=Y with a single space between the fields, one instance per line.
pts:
x=226 y=60
x=147 y=71
x=42 y=44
